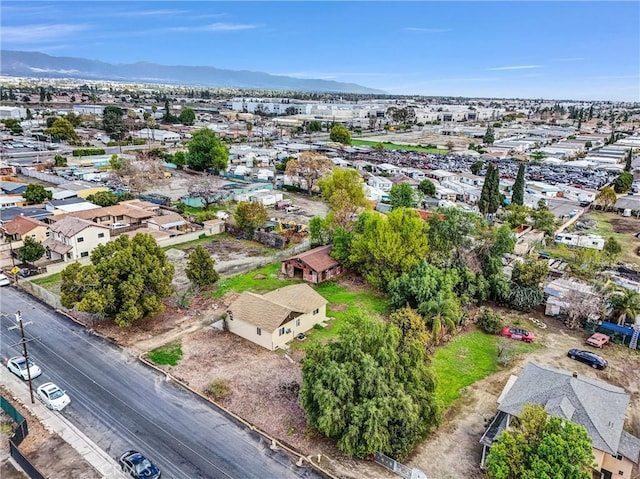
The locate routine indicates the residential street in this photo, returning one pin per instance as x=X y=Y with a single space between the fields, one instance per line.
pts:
x=121 y=404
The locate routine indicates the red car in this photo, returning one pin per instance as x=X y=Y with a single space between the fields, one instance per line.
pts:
x=598 y=340
x=518 y=334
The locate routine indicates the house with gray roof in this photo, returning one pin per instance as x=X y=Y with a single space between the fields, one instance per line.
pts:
x=597 y=406
x=73 y=238
x=271 y=320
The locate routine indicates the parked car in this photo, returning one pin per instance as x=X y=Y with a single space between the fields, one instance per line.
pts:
x=138 y=466
x=4 y=281
x=588 y=357
x=518 y=334
x=598 y=340
x=53 y=397
x=26 y=272
x=18 y=366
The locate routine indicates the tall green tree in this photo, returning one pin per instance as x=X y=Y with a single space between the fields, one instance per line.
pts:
x=489 y=201
x=427 y=188
x=205 y=150
x=627 y=160
x=402 y=195
x=411 y=324
x=517 y=196
x=625 y=305
x=126 y=280
x=113 y=123
x=450 y=232
x=249 y=216
x=623 y=183
x=606 y=197
x=526 y=284
x=476 y=167
x=200 y=268
x=340 y=134
x=489 y=136
x=187 y=116
x=343 y=191
x=36 y=193
x=442 y=314
x=612 y=249
x=319 y=232
x=104 y=198
x=370 y=391
x=537 y=446
x=31 y=250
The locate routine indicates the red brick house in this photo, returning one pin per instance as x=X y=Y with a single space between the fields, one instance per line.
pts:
x=314 y=266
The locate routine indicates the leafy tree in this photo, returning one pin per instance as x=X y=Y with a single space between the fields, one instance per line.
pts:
x=59 y=161
x=489 y=136
x=427 y=188
x=200 y=268
x=516 y=215
x=319 y=232
x=623 y=183
x=13 y=124
x=104 y=198
x=61 y=129
x=36 y=193
x=113 y=123
x=612 y=249
x=490 y=322
x=442 y=313
x=31 y=250
x=606 y=197
x=526 y=280
x=282 y=164
x=126 y=280
x=315 y=126
x=74 y=119
x=382 y=248
x=340 y=134
x=402 y=195
x=627 y=160
x=450 y=232
x=476 y=167
x=207 y=151
x=117 y=163
x=343 y=191
x=544 y=220
x=179 y=159
x=537 y=446
x=309 y=167
x=421 y=285
x=369 y=391
x=517 y=196
x=411 y=325
x=625 y=305
x=378 y=146
x=187 y=116
x=249 y=216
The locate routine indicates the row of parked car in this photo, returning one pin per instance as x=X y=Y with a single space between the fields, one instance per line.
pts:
x=596 y=340
x=53 y=397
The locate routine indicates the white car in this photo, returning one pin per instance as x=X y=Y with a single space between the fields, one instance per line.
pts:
x=53 y=397
x=4 y=281
x=18 y=366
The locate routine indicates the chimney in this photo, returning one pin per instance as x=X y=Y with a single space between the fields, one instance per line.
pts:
x=575 y=374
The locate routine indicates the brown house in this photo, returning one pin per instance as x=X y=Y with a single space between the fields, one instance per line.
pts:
x=314 y=266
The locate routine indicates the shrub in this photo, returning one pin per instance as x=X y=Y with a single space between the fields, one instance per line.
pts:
x=489 y=321
x=218 y=389
x=88 y=152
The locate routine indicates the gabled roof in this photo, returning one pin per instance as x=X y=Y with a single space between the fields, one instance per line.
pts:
x=7 y=214
x=57 y=246
x=271 y=310
x=71 y=226
x=318 y=259
x=22 y=225
x=594 y=404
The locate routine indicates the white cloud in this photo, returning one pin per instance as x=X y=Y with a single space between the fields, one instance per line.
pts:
x=39 y=33
x=515 y=67
x=216 y=27
x=426 y=30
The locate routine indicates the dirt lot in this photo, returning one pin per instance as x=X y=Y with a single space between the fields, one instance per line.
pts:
x=48 y=452
x=419 y=137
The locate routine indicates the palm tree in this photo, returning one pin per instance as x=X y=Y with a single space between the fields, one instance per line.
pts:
x=441 y=313
x=625 y=304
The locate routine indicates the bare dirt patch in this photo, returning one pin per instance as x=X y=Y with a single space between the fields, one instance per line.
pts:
x=625 y=225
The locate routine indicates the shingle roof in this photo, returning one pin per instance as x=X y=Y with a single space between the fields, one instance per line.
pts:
x=629 y=447
x=318 y=259
x=596 y=405
x=71 y=226
x=56 y=246
x=22 y=225
x=271 y=310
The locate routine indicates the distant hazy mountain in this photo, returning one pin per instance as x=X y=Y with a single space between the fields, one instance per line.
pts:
x=35 y=64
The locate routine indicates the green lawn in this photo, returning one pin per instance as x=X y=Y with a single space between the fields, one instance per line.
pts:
x=395 y=146
x=50 y=283
x=260 y=280
x=628 y=242
x=169 y=354
x=466 y=359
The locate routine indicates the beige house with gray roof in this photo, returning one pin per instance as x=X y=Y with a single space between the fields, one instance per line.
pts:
x=273 y=319
x=74 y=238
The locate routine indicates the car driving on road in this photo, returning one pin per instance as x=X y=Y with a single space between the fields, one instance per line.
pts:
x=587 y=357
x=18 y=366
x=138 y=466
x=53 y=397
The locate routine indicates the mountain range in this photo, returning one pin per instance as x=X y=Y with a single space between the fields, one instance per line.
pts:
x=36 y=64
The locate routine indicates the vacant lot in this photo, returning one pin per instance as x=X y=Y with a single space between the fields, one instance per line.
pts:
x=393 y=146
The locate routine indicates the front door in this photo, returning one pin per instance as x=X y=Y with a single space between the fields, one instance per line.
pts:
x=604 y=474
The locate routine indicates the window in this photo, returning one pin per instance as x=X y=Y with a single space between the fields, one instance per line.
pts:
x=80 y=240
x=617 y=456
x=316 y=311
x=280 y=331
x=259 y=332
x=298 y=322
x=100 y=235
x=84 y=254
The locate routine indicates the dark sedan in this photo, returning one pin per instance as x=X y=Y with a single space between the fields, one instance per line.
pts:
x=138 y=466
x=588 y=357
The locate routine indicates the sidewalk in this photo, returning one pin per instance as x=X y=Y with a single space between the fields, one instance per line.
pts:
x=100 y=460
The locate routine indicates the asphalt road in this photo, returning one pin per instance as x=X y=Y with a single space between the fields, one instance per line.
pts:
x=121 y=404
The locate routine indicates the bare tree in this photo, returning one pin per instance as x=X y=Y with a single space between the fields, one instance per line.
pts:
x=309 y=167
x=581 y=306
x=208 y=194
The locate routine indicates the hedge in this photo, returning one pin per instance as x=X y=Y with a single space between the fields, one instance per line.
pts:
x=88 y=152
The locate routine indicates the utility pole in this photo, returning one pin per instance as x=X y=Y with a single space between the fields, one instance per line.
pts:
x=24 y=342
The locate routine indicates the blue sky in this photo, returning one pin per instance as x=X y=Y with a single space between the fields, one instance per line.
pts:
x=544 y=49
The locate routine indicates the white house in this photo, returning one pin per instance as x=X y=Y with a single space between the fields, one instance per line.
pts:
x=584 y=241
x=158 y=135
x=273 y=319
x=381 y=183
x=73 y=238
